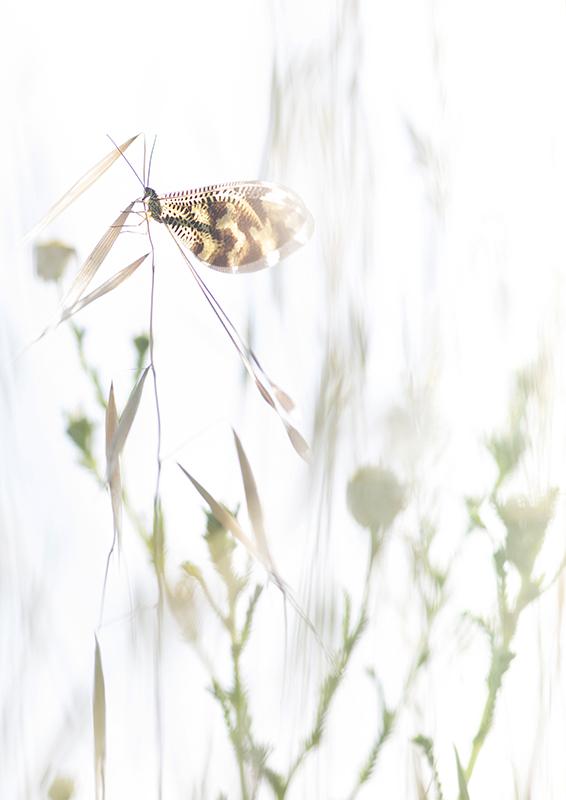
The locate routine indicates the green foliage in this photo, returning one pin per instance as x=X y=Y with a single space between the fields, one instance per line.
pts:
x=158 y=539
x=426 y=745
x=276 y=782
x=247 y=627
x=91 y=373
x=80 y=430
x=141 y=345
x=473 y=505
x=526 y=522
x=375 y=498
x=387 y=722
x=233 y=699
x=507 y=450
x=462 y=782
x=330 y=684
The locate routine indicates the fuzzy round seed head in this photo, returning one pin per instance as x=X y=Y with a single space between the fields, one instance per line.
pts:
x=62 y=788
x=375 y=497
x=51 y=259
x=526 y=522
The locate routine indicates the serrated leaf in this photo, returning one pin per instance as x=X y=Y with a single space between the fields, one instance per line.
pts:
x=99 y=723
x=79 y=187
x=124 y=425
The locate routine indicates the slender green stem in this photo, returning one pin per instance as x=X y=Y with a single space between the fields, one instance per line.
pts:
x=334 y=679
x=88 y=368
x=238 y=698
x=494 y=681
x=157 y=534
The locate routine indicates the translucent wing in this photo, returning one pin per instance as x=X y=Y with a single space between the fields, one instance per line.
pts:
x=235 y=227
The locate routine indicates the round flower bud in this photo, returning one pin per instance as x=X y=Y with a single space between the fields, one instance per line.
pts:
x=375 y=497
x=51 y=259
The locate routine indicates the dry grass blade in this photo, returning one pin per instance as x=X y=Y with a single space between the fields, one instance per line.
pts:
x=227 y=520
x=282 y=404
x=99 y=724
x=298 y=442
x=252 y=499
x=115 y=482
x=271 y=393
x=95 y=259
x=104 y=288
x=280 y=395
x=230 y=523
x=283 y=398
x=79 y=187
x=125 y=423
x=107 y=286
x=265 y=393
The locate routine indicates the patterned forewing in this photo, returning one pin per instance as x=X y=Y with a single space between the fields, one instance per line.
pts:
x=238 y=227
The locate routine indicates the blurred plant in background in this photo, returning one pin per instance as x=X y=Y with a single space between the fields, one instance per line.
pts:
x=375 y=498
x=424 y=595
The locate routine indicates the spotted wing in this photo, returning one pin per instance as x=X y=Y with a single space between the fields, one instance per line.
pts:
x=238 y=227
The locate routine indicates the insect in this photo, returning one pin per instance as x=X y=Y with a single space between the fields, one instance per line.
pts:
x=234 y=227
x=231 y=227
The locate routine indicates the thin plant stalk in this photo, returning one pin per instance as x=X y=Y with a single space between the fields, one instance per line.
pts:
x=157 y=534
x=333 y=680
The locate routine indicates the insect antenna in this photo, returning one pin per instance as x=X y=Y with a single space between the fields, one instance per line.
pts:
x=126 y=160
x=150 y=160
x=144 y=159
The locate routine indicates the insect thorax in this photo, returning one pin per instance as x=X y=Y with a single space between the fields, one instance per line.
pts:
x=152 y=204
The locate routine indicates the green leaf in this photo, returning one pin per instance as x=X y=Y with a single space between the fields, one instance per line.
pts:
x=462 y=782
x=80 y=430
x=526 y=520
x=246 y=630
x=99 y=723
x=507 y=451
x=473 y=505
x=276 y=781
x=158 y=539
x=115 y=481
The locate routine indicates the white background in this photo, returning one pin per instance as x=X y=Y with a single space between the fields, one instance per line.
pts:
x=454 y=264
